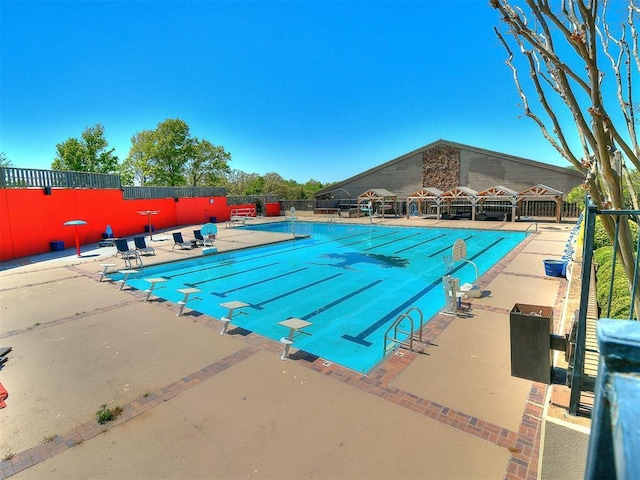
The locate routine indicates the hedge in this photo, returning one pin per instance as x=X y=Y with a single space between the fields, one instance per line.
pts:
x=620 y=297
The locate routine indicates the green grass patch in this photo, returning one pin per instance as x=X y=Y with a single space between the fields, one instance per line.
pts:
x=108 y=414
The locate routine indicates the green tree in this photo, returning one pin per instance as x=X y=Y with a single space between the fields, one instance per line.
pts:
x=90 y=153
x=255 y=185
x=236 y=182
x=137 y=167
x=276 y=185
x=208 y=163
x=172 y=149
x=4 y=161
x=311 y=187
x=169 y=156
x=581 y=60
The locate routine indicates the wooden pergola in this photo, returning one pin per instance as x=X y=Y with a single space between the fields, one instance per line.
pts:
x=377 y=199
x=461 y=194
x=500 y=194
x=426 y=194
x=542 y=192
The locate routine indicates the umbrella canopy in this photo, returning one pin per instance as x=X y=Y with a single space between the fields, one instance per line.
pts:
x=74 y=224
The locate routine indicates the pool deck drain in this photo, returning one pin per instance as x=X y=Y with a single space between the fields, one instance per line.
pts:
x=519 y=443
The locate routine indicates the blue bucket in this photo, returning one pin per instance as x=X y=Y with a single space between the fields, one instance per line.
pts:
x=554 y=268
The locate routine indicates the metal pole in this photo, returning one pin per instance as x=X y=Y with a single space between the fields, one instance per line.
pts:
x=75 y=231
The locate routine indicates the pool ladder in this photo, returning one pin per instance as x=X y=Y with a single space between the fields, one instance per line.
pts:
x=391 y=340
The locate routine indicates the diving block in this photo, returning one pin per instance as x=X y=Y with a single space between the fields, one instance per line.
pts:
x=186 y=292
x=227 y=320
x=153 y=282
x=294 y=325
x=126 y=274
x=105 y=269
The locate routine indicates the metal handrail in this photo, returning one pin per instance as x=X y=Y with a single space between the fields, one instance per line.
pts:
x=396 y=330
x=532 y=224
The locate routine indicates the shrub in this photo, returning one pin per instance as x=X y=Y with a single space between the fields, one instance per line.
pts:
x=601 y=239
x=620 y=297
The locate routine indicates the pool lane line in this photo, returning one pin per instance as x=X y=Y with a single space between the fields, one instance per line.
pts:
x=232 y=274
x=360 y=337
x=416 y=245
x=259 y=306
x=195 y=269
x=338 y=301
x=331 y=239
x=449 y=247
x=393 y=241
x=369 y=238
x=259 y=282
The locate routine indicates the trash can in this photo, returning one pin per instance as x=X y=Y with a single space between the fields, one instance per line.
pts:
x=531 y=327
x=555 y=268
x=56 y=245
x=146 y=228
x=213 y=219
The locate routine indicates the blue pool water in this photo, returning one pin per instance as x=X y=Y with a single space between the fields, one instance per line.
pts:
x=350 y=281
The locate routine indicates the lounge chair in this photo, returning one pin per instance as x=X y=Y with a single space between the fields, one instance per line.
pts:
x=208 y=234
x=199 y=239
x=142 y=247
x=122 y=246
x=179 y=241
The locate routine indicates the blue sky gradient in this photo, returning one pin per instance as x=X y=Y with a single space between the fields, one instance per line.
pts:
x=307 y=89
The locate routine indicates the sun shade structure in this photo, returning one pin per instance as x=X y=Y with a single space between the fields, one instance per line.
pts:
x=379 y=199
x=464 y=196
x=148 y=213
x=542 y=192
x=502 y=195
x=460 y=196
x=74 y=224
x=427 y=195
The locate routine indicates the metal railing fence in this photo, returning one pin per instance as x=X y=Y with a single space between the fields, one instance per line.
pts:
x=613 y=445
x=591 y=214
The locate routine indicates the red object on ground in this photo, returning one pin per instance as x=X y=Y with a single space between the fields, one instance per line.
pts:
x=3 y=396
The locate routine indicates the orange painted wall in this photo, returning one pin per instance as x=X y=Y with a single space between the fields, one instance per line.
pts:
x=29 y=219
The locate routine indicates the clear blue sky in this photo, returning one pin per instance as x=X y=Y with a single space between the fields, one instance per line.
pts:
x=307 y=89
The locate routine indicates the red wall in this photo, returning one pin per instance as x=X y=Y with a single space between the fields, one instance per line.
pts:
x=29 y=219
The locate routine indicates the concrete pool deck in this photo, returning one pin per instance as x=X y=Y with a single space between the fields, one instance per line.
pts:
x=197 y=404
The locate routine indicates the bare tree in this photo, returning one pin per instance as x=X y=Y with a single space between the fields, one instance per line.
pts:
x=582 y=60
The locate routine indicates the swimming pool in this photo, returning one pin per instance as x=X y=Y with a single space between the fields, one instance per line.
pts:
x=350 y=281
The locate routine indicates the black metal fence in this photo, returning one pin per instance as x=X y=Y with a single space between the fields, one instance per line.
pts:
x=12 y=177
x=133 y=193
x=301 y=205
x=251 y=199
